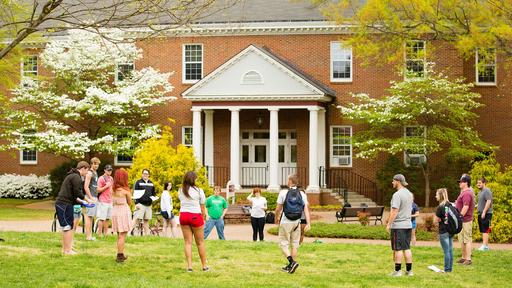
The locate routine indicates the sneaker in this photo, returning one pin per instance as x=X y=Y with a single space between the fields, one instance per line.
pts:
x=190 y=270
x=70 y=252
x=293 y=266
x=461 y=260
x=91 y=239
x=483 y=248
x=206 y=269
x=286 y=268
x=467 y=263
x=409 y=273
x=396 y=274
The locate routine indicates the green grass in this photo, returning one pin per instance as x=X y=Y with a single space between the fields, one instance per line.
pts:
x=34 y=260
x=354 y=231
x=10 y=210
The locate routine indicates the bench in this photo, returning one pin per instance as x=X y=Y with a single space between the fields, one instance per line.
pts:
x=374 y=213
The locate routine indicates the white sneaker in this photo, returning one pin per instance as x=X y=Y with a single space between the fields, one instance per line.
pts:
x=409 y=273
x=396 y=274
x=483 y=248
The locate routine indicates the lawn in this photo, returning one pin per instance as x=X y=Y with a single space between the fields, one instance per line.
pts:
x=34 y=260
x=10 y=210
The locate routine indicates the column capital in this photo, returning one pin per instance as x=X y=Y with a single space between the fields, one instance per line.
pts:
x=234 y=109
x=208 y=112
x=196 y=109
x=273 y=109
x=315 y=108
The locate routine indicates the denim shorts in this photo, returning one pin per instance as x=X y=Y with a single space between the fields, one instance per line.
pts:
x=65 y=215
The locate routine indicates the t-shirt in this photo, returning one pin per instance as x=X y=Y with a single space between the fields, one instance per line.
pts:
x=93 y=184
x=466 y=197
x=106 y=195
x=402 y=200
x=282 y=197
x=192 y=204
x=259 y=204
x=483 y=196
x=415 y=209
x=440 y=212
x=166 y=201
x=215 y=206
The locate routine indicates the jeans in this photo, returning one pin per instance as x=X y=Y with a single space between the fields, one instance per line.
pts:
x=218 y=223
x=447 y=244
x=257 y=228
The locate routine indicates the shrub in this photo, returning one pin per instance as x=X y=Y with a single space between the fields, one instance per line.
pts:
x=362 y=217
x=500 y=183
x=394 y=166
x=21 y=186
x=430 y=224
x=58 y=174
x=167 y=163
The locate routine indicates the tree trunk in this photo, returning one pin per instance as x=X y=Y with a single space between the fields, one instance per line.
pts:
x=426 y=175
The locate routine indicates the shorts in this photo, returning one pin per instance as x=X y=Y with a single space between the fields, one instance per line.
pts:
x=142 y=212
x=191 y=219
x=400 y=239
x=413 y=224
x=77 y=211
x=465 y=236
x=104 y=211
x=289 y=233
x=303 y=221
x=485 y=224
x=64 y=215
x=91 y=212
x=166 y=215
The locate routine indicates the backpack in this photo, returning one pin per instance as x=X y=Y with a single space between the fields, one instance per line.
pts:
x=452 y=219
x=293 y=204
x=270 y=218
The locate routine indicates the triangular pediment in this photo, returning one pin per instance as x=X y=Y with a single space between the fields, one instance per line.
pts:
x=256 y=74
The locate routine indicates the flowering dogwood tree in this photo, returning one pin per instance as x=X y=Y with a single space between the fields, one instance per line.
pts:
x=420 y=117
x=82 y=109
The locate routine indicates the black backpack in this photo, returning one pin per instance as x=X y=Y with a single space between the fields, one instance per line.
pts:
x=270 y=218
x=452 y=219
x=293 y=204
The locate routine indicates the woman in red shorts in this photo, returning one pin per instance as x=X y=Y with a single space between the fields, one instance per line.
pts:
x=192 y=215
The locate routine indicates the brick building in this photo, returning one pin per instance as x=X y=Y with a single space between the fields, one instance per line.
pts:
x=257 y=89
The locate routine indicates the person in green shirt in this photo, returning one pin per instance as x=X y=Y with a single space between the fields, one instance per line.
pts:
x=217 y=207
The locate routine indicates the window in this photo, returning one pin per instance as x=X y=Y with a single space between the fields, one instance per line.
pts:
x=29 y=66
x=192 y=63
x=341 y=63
x=417 y=134
x=415 y=59
x=27 y=156
x=486 y=67
x=121 y=159
x=124 y=71
x=252 y=77
x=341 y=146
x=186 y=136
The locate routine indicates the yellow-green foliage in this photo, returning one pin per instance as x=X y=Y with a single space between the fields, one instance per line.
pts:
x=500 y=183
x=167 y=163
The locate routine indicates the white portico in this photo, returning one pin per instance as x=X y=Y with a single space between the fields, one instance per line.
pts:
x=257 y=82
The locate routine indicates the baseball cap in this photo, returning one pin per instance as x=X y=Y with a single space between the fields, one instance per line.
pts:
x=401 y=178
x=465 y=178
x=108 y=167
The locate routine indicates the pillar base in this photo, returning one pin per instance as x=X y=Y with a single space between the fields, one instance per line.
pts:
x=275 y=188
x=313 y=189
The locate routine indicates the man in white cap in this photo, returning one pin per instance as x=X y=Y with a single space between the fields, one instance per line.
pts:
x=400 y=226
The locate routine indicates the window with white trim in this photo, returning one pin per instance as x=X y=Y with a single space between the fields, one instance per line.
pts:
x=415 y=58
x=486 y=67
x=121 y=159
x=124 y=70
x=27 y=156
x=29 y=66
x=192 y=63
x=341 y=62
x=341 y=146
x=186 y=136
x=415 y=157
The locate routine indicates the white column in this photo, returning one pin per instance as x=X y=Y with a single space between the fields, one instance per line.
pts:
x=208 y=144
x=274 y=150
x=196 y=134
x=235 y=147
x=313 y=153
x=321 y=142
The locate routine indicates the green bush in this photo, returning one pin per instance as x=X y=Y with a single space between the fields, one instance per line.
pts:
x=167 y=163
x=385 y=175
x=354 y=231
x=58 y=174
x=500 y=183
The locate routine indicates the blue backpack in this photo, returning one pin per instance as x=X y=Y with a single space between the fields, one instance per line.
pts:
x=293 y=204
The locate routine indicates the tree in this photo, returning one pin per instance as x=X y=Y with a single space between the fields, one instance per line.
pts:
x=435 y=113
x=382 y=26
x=24 y=19
x=79 y=110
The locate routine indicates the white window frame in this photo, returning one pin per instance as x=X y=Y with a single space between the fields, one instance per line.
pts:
x=116 y=79
x=28 y=73
x=184 y=64
x=183 y=128
x=495 y=71
x=339 y=46
x=331 y=146
x=118 y=162
x=27 y=162
x=416 y=59
x=407 y=157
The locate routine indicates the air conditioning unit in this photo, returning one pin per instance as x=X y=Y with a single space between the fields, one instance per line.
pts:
x=341 y=160
x=417 y=159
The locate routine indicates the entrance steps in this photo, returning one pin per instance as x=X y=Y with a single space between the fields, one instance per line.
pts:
x=355 y=199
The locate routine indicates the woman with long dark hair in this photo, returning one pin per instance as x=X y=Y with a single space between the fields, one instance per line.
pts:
x=121 y=213
x=192 y=215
